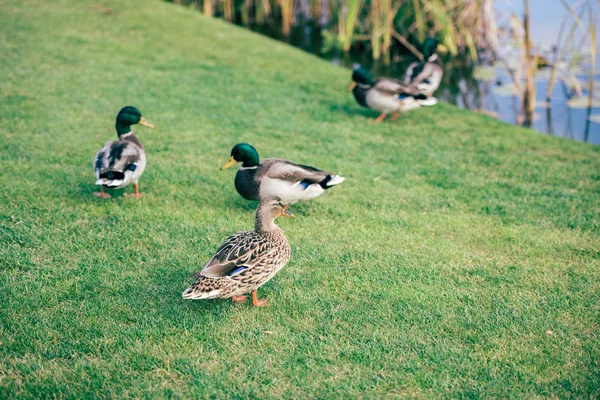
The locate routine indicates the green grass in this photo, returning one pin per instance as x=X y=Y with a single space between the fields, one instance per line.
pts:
x=436 y=270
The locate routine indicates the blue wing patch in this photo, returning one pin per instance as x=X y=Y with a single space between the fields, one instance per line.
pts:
x=131 y=167
x=237 y=271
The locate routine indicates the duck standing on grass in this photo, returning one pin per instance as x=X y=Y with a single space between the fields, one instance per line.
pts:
x=117 y=164
x=291 y=182
x=246 y=260
x=386 y=95
x=425 y=77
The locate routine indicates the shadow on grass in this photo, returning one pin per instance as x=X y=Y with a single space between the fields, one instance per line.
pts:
x=87 y=190
x=166 y=304
x=354 y=111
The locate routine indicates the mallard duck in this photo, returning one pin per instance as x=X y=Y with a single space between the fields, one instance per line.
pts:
x=386 y=95
x=245 y=260
x=117 y=164
x=425 y=77
x=292 y=182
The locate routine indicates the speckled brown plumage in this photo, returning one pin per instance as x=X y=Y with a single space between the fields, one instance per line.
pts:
x=246 y=260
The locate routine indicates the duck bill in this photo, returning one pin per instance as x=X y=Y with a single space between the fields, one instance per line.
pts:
x=352 y=85
x=145 y=123
x=441 y=48
x=286 y=213
x=229 y=163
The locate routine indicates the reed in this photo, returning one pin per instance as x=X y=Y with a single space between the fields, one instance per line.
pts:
x=592 y=71
x=352 y=8
x=376 y=28
x=462 y=26
x=287 y=15
x=563 y=45
x=208 y=8
x=528 y=104
x=228 y=10
x=419 y=20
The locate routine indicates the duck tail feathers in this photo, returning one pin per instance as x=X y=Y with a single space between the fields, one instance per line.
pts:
x=203 y=288
x=195 y=294
x=331 y=180
x=109 y=183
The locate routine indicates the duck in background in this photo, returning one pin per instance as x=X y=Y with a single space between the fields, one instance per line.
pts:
x=386 y=95
x=119 y=163
x=424 y=77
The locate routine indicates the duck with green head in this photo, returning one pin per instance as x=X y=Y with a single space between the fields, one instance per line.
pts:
x=292 y=182
x=119 y=163
x=425 y=76
x=386 y=95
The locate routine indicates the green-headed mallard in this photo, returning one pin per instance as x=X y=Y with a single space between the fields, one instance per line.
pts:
x=245 y=260
x=117 y=164
x=272 y=176
x=386 y=95
x=425 y=76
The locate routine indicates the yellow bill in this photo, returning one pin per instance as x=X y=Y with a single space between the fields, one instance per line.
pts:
x=229 y=163
x=352 y=85
x=145 y=123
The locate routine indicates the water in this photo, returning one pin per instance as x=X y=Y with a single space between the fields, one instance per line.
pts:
x=489 y=93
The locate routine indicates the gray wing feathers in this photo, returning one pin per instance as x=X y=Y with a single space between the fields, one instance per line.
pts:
x=291 y=172
x=116 y=156
x=431 y=72
x=409 y=73
x=388 y=85
x=240 y=249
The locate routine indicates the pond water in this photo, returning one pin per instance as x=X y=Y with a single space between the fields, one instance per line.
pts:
x=464 y=86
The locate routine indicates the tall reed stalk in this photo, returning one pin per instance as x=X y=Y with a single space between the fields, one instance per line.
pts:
x=352 y=9
x=376 y=28
x=207 y=8
x=287 y=15
x=228 y=11
x=592 y=72
x=528 y=105
x=461 y=25
x=419 y=20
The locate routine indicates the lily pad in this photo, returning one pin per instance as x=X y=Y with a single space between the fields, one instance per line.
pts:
x=582 y=102
x=504 y=90
x=584 y=84
x=542 y=104
x=485 y=73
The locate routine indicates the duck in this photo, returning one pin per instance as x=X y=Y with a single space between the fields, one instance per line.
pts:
x=273 y=176
x=424 y=77
x=119 y=163
x=246 y=260
x=386 y=95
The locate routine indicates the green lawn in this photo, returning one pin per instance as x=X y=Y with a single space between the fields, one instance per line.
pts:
x=460 y=258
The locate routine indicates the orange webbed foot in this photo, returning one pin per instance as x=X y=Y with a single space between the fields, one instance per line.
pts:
x=137 y=194
x=380 y=118
x=239 y=299
x=102 y=195
x=256 y=302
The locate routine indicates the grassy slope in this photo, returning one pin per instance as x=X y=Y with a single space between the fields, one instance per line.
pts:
x=456 y=242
